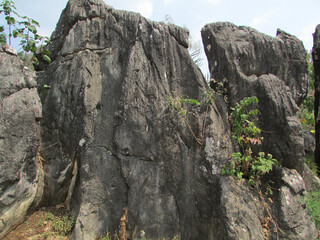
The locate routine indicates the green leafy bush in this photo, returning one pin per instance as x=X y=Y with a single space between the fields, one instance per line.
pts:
x=247 y=134
x=23 y=28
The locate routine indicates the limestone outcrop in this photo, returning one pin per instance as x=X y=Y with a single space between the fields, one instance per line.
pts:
x=272 y=68
x=107 y=113
x=21 y=176
x=249 y=63
x=110 y=140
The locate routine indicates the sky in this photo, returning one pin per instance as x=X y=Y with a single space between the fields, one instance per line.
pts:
x=296 y=17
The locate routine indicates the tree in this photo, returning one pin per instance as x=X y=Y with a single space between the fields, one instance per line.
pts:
x=23 y=28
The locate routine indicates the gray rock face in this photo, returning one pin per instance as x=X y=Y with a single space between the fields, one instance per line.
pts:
x=309 y=142
x=316 y=65
x=107 y=113
x=109 y=139
x=21 y=177
x=288 y=207
x=274 y=70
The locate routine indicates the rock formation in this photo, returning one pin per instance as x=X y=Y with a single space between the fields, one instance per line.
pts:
x=107 y=110
x=274 y=70
x=21 y=177
x=110 y=141
x=316 y=64
x=249 y=63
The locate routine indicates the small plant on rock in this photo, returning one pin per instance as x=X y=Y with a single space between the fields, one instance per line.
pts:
x=106 y=237
x=61 y=224
x=247 y=134
x=184 y=106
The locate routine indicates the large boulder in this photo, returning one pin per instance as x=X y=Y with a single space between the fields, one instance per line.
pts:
x=21 y=176
x=316 y=64
x=274 y=69
x=249 y=63
x=289 y=209
x=110 y=138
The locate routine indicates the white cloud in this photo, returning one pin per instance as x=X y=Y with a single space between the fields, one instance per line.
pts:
x=262 y=20
x=306 y=34
x=144 y=7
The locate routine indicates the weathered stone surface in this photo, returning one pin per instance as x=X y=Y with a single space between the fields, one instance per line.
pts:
x=107 y=111
x=109 y=139
x=242 y=210
x=316 y=65
x=289 y=207
x=274 y=70
x=311 y=181
x=309 y=142
x=21 y=177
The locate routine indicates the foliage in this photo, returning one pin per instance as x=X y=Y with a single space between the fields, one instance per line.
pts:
x=258 y=166
x=261 y=165
x=310 y=71
x=310 y=161
x=313 y=204
x=247 y=134
x=61 y=224
x=23 y=28
x=306 y=112
x=106 y=237
x=244 y=131
x=178 y=104
x=183 y=106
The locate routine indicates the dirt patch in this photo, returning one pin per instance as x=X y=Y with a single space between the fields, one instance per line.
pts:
x=47 y=223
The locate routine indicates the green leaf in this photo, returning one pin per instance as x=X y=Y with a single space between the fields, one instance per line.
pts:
x=239 y=175
x=47 y=58
x=47 y=41
x=35 y=22
x=3 y=38
x=1 y=28
x=46 y=52
x=26 y=23
x=21 y=35
x=33 y=48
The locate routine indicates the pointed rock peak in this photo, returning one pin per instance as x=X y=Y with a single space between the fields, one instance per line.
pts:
x=76 y=10
x=83 y=9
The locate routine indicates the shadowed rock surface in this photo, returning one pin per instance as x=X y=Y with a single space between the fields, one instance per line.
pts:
x=316 y=65
x=21 y=177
